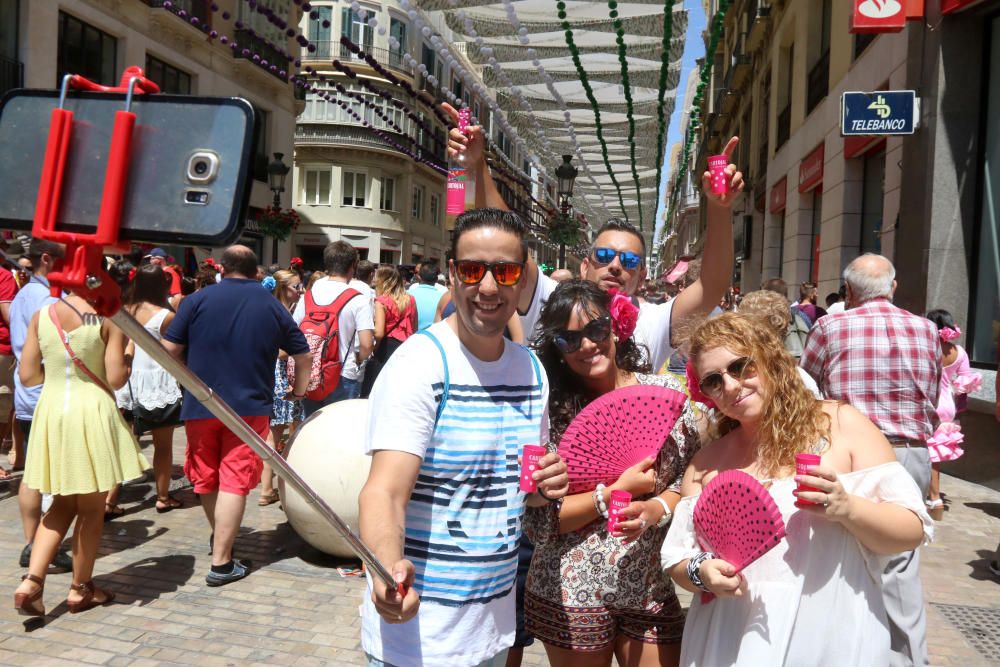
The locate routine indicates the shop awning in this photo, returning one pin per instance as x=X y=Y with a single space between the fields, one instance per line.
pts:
x=676 y=272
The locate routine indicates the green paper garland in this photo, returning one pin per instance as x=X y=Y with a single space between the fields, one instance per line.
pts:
x=629 y=108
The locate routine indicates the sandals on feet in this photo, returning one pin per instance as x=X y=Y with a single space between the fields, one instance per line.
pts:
x=89 y=601
x=30 y=604
x=167 y=503
x=269 y=498
x=112 y=511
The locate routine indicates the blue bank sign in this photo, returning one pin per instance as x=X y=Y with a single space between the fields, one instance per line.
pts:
x=879 y=112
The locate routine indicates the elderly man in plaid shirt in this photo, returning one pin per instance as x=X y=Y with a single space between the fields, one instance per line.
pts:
x=885 y=362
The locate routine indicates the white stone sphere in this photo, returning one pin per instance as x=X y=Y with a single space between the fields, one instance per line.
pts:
x=328 y=452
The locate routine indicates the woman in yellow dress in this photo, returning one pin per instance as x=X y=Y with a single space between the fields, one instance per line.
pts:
x=80 y=446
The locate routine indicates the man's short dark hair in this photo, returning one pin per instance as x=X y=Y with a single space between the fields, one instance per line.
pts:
x=273 y=268
x=776 y=285
x=619 y=225
x=429 y=273
x=239 y=259
x=39 y=247
x=832 y=298
x=365 y=271
x=339 y=258
x=478 y=218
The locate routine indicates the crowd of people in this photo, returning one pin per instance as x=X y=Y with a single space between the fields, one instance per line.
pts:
x=459 y=380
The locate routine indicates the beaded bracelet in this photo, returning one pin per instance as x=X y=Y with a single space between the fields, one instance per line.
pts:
x=599 y=504
x=693 y=569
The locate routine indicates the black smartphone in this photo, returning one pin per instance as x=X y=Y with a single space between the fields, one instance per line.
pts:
x=189 y=175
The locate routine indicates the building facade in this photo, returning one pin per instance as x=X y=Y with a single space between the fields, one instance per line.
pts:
x=817 y=199
x=352 y=185
x=42 y=41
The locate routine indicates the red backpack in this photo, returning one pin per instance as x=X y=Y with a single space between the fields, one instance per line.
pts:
x=321 y=327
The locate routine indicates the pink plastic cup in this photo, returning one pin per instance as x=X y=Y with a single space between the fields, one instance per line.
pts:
x=529 y=464
x=619 y=501
x=717 y=171
x=802 y=465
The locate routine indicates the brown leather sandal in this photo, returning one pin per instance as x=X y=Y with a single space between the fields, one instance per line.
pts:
x=88 y=590
x=30 y=604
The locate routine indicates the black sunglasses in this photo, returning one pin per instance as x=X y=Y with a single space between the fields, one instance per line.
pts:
x=596 y=331
x=605 y=256
x=472 y=271
x=739 y=369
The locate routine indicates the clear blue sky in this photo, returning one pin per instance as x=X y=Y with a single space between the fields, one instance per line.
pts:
x=694 y=48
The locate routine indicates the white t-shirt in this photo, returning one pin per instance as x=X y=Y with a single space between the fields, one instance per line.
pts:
x=352 y=370
x=355 y=316
x=463 y=518
x=835 y=308
x=652 y=330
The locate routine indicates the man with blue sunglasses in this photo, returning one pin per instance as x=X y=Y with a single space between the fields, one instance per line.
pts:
x=617 y=259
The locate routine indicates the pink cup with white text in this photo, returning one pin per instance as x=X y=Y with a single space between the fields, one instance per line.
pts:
x=802 y=464
x=619 y=501
x=530 y=456
x=717 y=173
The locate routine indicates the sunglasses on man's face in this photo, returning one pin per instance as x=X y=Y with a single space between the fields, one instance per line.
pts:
x=596 y=331
x=605 y=256
x=739 y=369
x=472 y=271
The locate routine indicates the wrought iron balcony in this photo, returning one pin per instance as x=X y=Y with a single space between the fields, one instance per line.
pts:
x=355 y=136
x=253 y=45
x=199 y=9
x=328 y=49
x=11 y=74
x=759 y=23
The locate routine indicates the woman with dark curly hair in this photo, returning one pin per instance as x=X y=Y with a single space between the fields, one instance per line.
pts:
x=591 y=594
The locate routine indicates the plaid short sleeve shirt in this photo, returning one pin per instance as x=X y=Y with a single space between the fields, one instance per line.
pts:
x=882 y=360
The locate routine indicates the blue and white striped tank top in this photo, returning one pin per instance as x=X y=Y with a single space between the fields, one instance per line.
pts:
x=463 y=520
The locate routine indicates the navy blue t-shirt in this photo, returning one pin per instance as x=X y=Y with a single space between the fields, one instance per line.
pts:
x=232 y=332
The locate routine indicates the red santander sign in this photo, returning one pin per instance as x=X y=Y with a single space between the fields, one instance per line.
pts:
x=874 y=16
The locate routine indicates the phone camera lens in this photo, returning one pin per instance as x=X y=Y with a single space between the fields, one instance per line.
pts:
x=201 y=167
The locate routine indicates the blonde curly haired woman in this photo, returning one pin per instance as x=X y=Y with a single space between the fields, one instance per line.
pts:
x=865 y=506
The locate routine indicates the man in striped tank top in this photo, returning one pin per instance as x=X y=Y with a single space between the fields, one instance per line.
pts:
x=449 y=416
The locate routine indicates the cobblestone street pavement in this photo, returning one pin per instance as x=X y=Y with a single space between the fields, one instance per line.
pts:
x=295 y=609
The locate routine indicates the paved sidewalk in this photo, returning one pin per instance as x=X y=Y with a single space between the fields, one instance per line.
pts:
x=296 y=609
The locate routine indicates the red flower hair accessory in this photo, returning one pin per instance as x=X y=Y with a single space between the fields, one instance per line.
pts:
x=131 y=275
x=949 y=334
x=694 y=388
x=210 y=262
x=296 y=261
x=624 y=315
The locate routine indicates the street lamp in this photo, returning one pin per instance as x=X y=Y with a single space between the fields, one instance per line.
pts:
x=566 y=175
x=277 y=170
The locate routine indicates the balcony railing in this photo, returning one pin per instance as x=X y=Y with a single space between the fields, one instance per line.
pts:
x=355 y=136
x=199 y=9
x=253 y=45
x=784 y=125
x=11 y=74
x=328 y=49
x=819 y=82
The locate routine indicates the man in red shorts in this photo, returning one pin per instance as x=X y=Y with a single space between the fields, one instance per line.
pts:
x=230 y=335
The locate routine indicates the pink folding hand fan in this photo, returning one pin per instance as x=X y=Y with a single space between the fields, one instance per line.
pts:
x=616 y=431
x=736 y=518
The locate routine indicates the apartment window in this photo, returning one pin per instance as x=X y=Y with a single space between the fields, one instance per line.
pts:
x=456 y=86
x=260 y=158
x=872 y=201
x=169 y=78
x=317 y=190
x=418 y=203
x=785 y=115
x=434 y=209
x=354 y=188
x=387 y=257
x=763 y=124
x=819 y=73
x=781 y=244
x=387 y=199
x=862 y=42
x=354 y=25
x=397 y=29
x=319 y=35
x=85 y=50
